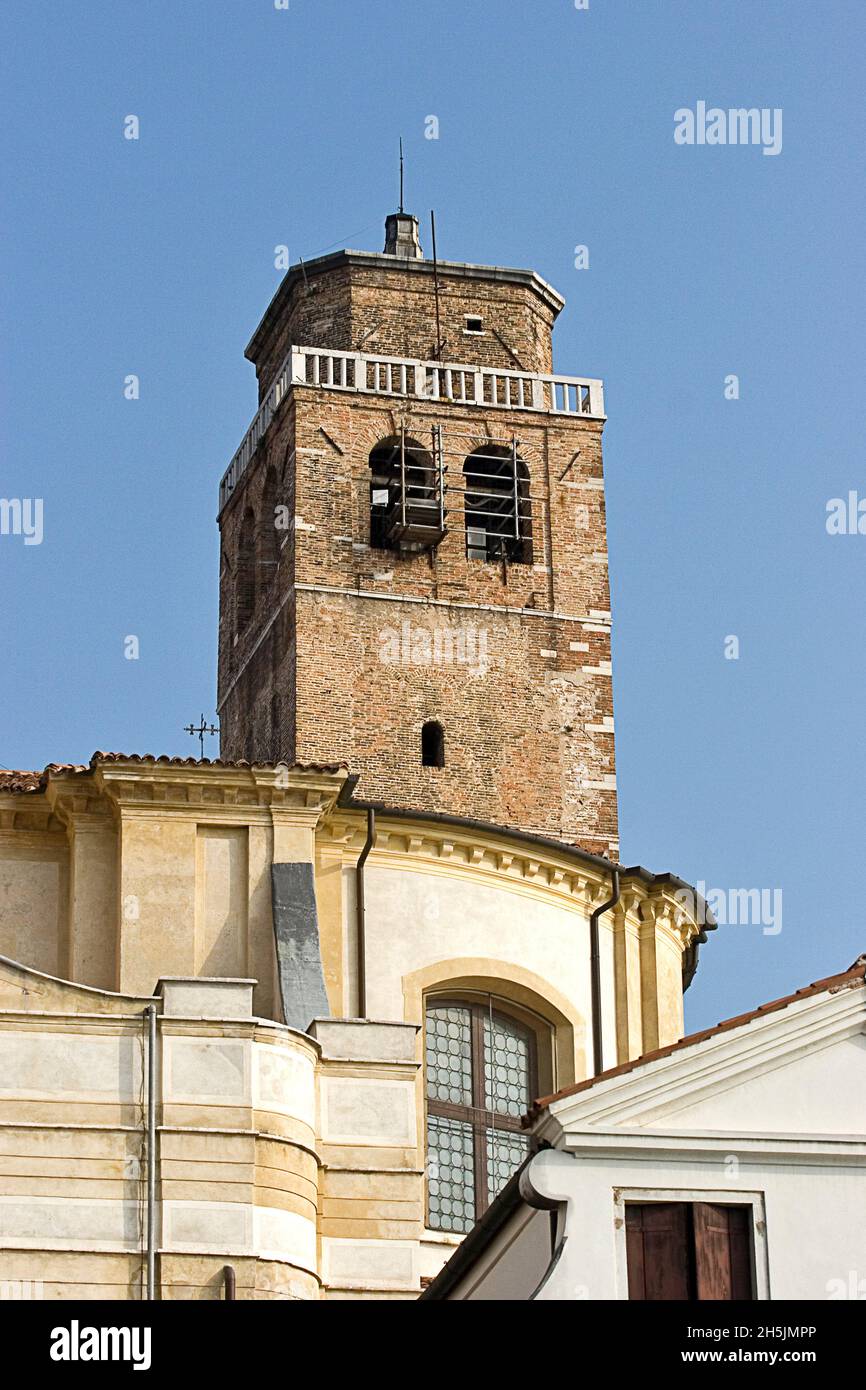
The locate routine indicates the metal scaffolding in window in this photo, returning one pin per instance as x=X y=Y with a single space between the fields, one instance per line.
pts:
x=417 y=491
x=407 y=493
x=497 y=504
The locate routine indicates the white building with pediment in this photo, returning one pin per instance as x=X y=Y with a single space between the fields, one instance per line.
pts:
x=730 y=1165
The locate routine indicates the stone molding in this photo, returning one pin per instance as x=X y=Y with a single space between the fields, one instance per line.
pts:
x=486 y=857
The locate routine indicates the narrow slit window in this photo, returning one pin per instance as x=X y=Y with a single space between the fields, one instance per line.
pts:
x=268 y=540
x=432 y=745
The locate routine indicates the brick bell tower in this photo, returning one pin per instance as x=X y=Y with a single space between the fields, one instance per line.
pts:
x=414 y=564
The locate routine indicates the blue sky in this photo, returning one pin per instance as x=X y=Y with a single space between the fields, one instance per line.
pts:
x=261 y=127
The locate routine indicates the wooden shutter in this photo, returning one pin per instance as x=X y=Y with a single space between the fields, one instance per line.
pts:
x=658 y=1243
x=723 y=1258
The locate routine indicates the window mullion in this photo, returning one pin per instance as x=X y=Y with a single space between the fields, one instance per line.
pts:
x=479 y=1145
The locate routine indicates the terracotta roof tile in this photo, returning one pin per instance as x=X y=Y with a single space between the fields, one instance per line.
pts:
x=12 y=780
x=21 y=782
x=855 y=974
x=164 y=759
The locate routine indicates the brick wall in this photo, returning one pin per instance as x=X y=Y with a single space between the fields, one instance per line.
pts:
x=389 y=307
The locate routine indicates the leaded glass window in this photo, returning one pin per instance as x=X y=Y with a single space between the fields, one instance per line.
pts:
x=480 y=1081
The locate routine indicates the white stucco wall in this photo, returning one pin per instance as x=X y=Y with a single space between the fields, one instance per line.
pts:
x=786 y=1100
x=417 y=918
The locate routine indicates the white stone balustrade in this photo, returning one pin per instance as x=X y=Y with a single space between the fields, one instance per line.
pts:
x=407 y=377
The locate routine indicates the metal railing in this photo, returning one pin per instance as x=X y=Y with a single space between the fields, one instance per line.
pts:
x=407 y=377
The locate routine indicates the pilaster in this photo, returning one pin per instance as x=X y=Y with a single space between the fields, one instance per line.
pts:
x=372 y=1195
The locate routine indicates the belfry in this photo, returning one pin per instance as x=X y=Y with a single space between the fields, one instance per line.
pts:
x=415 y=459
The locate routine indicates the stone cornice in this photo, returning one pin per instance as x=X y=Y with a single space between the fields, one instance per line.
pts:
x=231 y=793
x=32 y=814
x=793 y=1147
x=77 y=803
x=485 y=857
x=525 y=865
x=658 y=907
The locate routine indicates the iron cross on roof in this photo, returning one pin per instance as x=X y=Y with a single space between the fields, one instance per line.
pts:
x=201 y=730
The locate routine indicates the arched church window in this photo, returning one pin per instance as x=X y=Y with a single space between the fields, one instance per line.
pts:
x=432 y=745
x=405 y=512
x=245 y=577
x=481 y=1076
x=497 y=505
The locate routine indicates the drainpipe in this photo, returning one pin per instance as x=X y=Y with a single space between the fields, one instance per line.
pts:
x=595 y=972
x=359 y=894
x=150 y=1015
x=229 y=1283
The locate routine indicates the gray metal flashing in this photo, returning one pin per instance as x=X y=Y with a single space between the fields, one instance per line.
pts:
x=299 y=954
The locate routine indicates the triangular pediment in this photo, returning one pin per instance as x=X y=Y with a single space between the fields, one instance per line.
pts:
x=798 y=1070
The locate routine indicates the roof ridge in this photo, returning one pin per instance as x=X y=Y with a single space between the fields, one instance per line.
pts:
x=856 y=973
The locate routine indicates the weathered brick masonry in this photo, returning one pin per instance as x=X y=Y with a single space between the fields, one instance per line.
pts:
x=331 y=649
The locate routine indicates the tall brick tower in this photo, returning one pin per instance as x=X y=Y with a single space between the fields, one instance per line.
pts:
x=414 y=561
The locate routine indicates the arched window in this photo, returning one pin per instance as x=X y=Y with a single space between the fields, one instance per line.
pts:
x=405 y=512
x=498 y=506
x=245 y=572
x=432 y=745
x=481 y=1077
x=269 y=538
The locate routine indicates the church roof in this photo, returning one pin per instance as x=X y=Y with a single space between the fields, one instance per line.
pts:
x=854 y=975
x=22 y=782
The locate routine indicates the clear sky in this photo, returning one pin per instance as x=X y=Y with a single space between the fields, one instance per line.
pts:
x=260 y=127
